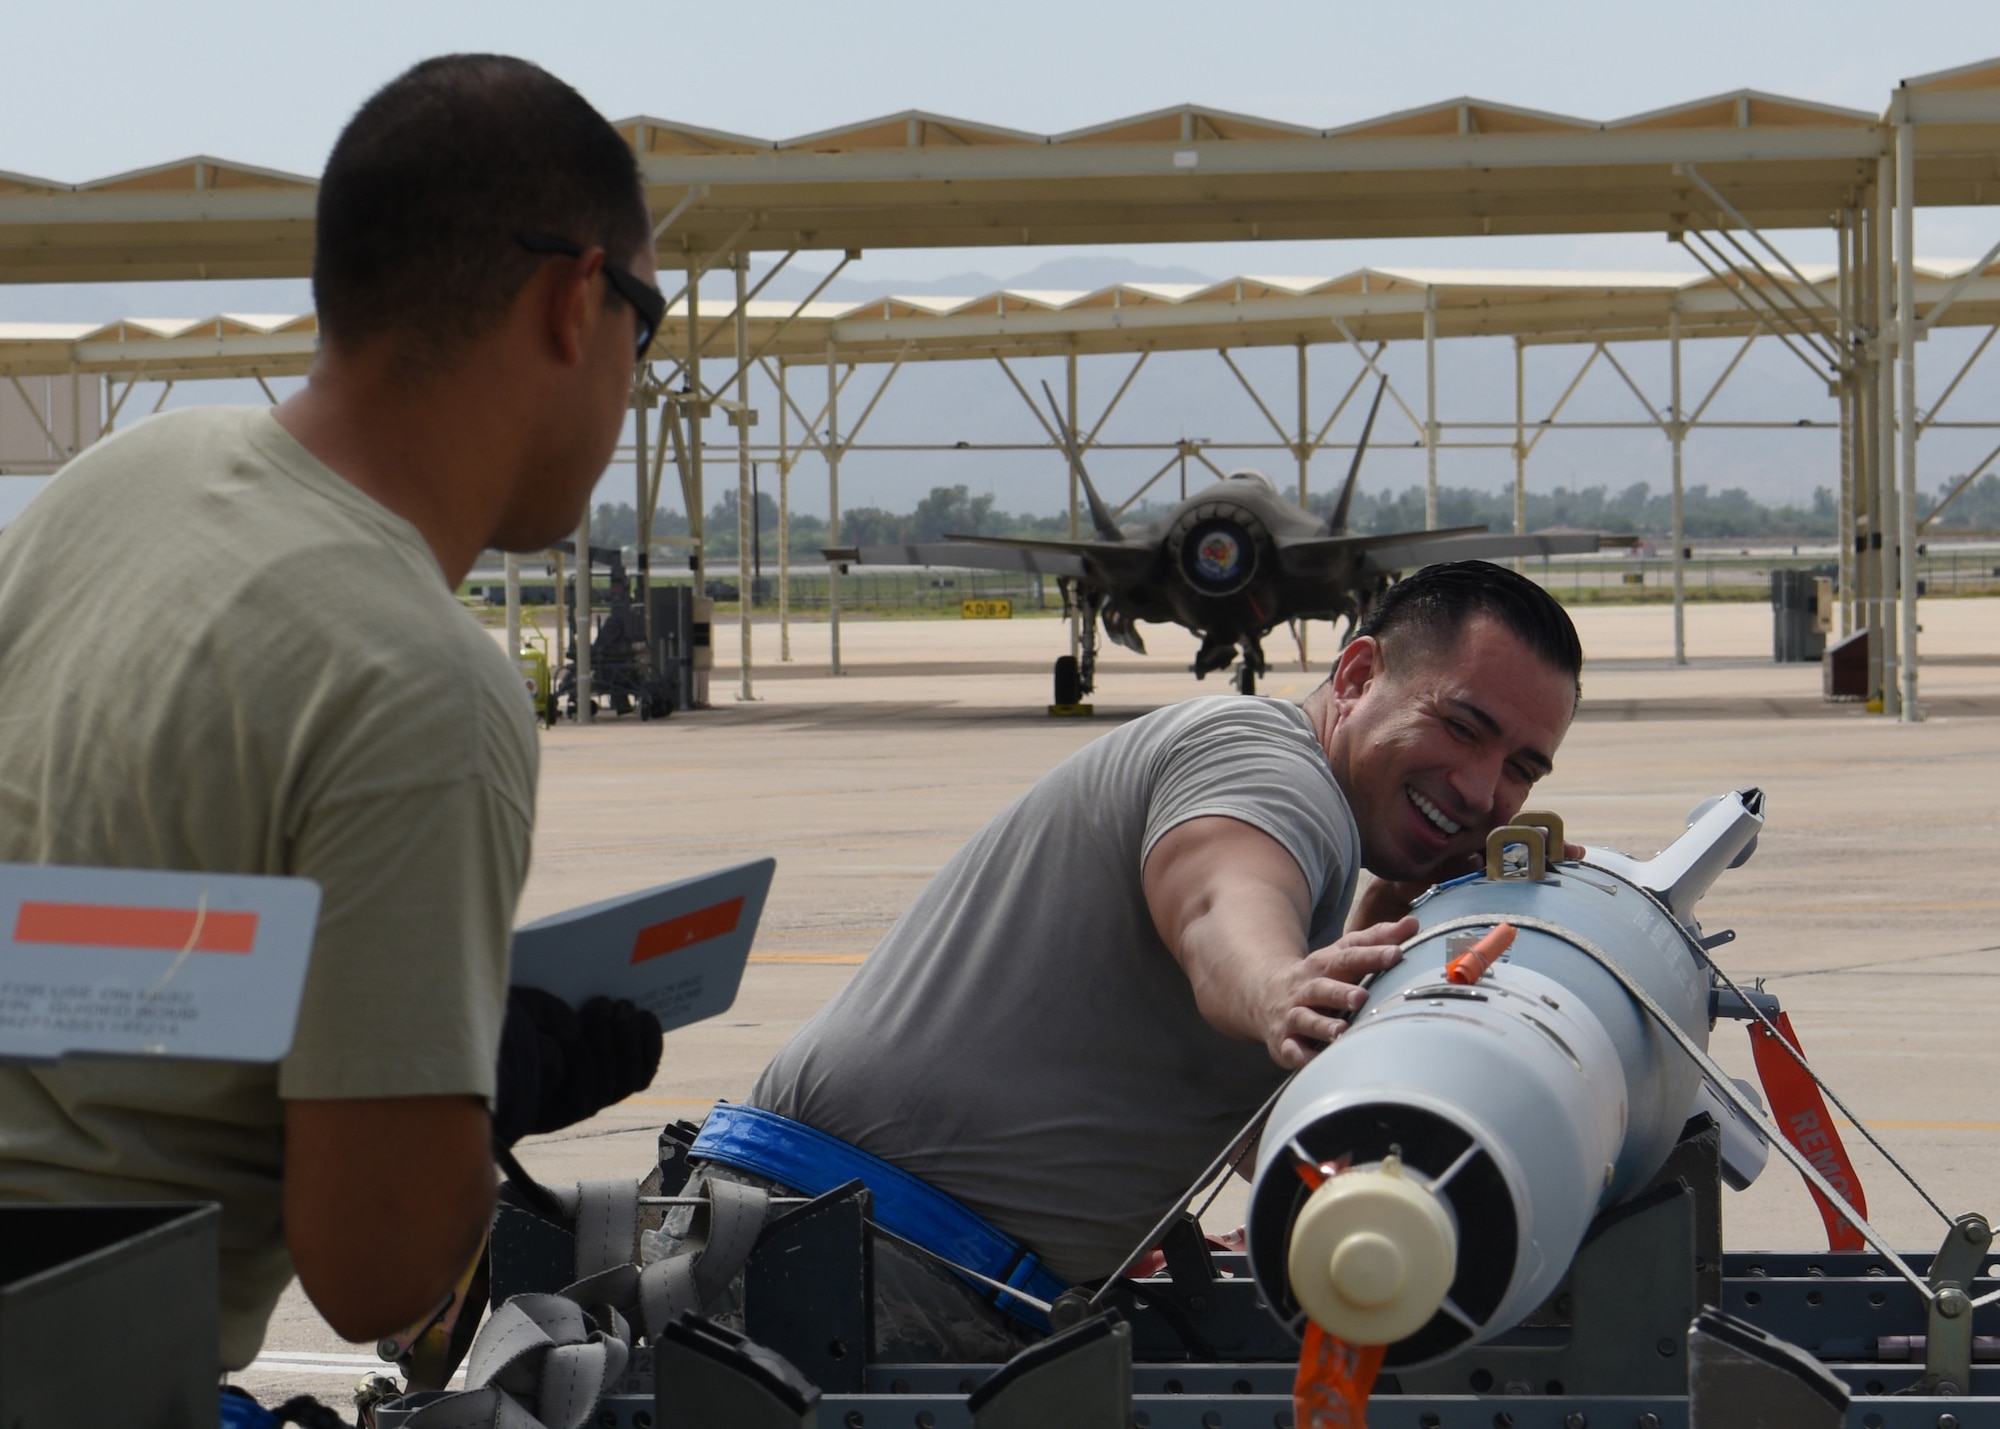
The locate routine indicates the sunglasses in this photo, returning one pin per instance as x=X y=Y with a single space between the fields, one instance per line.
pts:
x=648 y=302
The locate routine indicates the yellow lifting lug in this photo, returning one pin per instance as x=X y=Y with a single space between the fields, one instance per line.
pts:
x=1551 y=825
x=1534 y=839
x=1537 y=830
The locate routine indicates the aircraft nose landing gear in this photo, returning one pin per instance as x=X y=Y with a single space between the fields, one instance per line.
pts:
x=1250 y=666
x=1218 y=651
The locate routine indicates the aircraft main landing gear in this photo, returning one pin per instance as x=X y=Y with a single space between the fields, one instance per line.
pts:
x=1246 y=679
x=1069 y=681
x=1076 y=675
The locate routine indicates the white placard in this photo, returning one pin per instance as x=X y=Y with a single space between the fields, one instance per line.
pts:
x=677 y=950
x=133 y=962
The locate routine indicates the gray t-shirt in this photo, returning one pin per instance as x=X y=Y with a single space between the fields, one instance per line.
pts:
x=1022 y=1038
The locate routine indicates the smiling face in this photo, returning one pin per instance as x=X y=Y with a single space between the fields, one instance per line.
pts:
x=1437 y=752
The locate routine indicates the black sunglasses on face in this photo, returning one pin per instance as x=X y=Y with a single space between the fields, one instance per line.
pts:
x=648 y=302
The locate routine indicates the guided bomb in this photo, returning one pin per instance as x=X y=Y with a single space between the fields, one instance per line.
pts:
x=1425 y=1182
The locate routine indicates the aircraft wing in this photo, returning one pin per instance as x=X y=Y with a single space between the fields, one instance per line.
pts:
x=1113 y=561
x=1032 y=560
x=1301 y=555
x=1427 y=547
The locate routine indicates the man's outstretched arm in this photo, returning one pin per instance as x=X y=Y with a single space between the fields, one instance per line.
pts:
x=386 y=1200
x=1234 y=909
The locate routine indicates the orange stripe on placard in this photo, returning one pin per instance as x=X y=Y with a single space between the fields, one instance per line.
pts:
x=94 y=925
x=686 y=930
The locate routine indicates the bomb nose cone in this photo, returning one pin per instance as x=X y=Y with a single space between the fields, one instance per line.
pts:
x=1372 y=1255
x=1367 y=1270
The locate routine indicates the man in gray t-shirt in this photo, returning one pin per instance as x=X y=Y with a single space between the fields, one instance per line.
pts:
x=955 y=1051
x=1096 y=992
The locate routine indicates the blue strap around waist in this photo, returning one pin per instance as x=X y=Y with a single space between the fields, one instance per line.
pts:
x=808 y=1160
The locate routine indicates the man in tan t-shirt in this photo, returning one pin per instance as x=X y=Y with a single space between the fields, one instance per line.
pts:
x=231 y=643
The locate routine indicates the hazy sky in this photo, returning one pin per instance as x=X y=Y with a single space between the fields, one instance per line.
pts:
x=119 y=85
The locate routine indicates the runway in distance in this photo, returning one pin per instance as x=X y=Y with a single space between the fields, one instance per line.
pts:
x=1230 y=563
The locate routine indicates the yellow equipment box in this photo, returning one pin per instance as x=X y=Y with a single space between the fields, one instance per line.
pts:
x=534 y=665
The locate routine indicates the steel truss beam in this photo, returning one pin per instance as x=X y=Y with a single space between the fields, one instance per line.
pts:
x=36 y=412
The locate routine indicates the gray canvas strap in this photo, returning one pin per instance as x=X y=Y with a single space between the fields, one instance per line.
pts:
x=607 y=1225
x=539 y=1362
x=487 y=1408
x=720 y=1237
x=543 y=1361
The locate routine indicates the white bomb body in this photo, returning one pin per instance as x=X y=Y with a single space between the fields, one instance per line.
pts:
x=1512 y=1109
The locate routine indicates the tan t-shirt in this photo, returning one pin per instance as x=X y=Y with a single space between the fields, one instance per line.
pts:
x=215 y=654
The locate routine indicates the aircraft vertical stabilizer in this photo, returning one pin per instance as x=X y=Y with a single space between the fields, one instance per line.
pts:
x=1100 y=512
x=1336 y=523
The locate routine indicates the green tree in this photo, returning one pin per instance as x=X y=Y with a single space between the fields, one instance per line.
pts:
x=873 y=526
x=722 y=533
x=614 y=525
x=1636 y=510
x=952 y=510
x=1977 y=508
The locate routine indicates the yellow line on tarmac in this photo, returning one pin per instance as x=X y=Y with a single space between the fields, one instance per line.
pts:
x=823 y=932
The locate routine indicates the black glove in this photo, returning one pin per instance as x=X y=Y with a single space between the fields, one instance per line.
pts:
x=560 y=1065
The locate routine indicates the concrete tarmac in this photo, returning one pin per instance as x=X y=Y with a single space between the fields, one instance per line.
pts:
x=1868 y=908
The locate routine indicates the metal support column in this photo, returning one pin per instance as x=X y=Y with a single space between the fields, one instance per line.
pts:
x=1867 y=417
x=833 y=495
x=746 y=564
x=1305 y=448
x=1075 y=455
x=1430 y=411
x=1906 y=364
x=562 y=622
x=513 y=607
x=586 y=709
x=1844 y=521
x=784 y=525
x=694 y=495
x=1884 y=615
x=1520 y=448
x=640 y=400
x=1677 y=435
x=1305 y=441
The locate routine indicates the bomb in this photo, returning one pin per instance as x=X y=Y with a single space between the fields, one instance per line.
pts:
x=1426 y=1180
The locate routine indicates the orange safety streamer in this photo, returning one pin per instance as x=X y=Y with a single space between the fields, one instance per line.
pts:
x=1800 y=1112
x=1471 y=965
x=1335 y=1380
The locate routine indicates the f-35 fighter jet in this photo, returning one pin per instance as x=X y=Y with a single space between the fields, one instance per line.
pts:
x=1230 y=563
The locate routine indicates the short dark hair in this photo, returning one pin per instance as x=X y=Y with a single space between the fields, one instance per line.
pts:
x=431 y=182
x=1423 y=613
